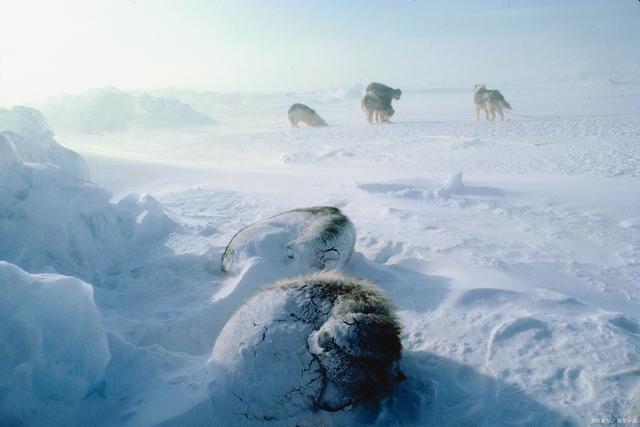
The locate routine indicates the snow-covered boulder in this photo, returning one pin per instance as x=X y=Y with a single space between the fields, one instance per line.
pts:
x=34 y=142
x=324 y=341
x=53 y=347
x=307 y=239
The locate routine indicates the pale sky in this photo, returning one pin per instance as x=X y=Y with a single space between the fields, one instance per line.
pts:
x=49 y=47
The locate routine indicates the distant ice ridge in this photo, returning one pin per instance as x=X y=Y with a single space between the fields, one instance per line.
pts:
x=52 y=219
x=53 y=350
x=167 y=110
x=205 y=101
x=355 y=91
x=114 y=110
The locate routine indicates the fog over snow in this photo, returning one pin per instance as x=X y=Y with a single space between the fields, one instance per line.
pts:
x=158 y=212
x=72 y=46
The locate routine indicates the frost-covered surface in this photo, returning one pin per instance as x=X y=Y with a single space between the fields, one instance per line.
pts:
x=305 y=239
x=114 y=110
x=324 y=341
x=510 y=249
x=53 y=350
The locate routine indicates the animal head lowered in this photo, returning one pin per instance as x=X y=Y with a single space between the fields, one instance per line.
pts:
x=316 y=120
x=478 y=87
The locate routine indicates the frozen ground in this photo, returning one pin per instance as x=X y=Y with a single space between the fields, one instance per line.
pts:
x=510 y=249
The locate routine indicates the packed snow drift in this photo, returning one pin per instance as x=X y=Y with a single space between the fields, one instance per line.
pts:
x=508 y=249
x=26 y=137
x=54 y=347
x=52 y=219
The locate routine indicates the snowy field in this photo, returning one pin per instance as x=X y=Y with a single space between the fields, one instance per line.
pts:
x=511 y=251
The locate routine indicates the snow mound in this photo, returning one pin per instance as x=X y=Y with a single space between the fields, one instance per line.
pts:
x=307 y=239
x=54 y=348
x=324 y=341
x=353 y=92
x=170 y=111
x=143 y=219
x=51 y=221
x=28 y=132
x=453 y=184
x=205 y=101
x=27 y=122
x=114 y=110
x=407 y=191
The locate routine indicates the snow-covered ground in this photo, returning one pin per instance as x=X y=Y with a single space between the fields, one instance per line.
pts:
x=511 y=251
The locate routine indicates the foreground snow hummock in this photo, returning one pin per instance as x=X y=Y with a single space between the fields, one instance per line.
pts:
x=27 y=132
x=53 y=347
x=52 y=220
x=323 y=341
x=309 y=239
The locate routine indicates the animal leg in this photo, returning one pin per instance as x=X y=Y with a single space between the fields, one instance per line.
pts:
x=370 y=117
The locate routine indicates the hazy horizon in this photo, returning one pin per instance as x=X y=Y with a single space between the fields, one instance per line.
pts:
x=72 y=46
